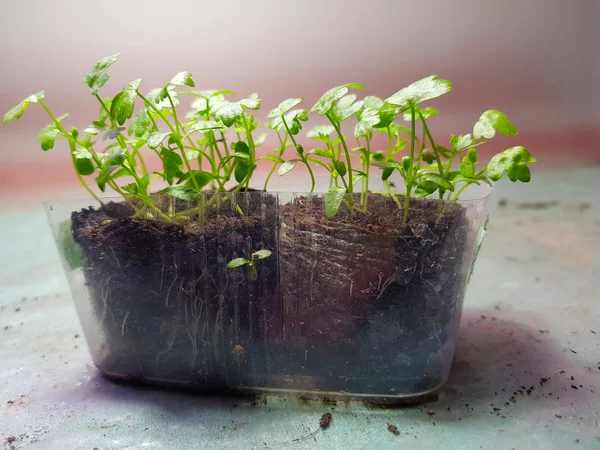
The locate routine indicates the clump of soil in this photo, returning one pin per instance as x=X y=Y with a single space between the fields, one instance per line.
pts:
x=377 y=298
x=166 y=303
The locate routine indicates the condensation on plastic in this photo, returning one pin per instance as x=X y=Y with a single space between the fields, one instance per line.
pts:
x=179 y=317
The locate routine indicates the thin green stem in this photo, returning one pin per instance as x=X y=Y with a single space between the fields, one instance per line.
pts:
x=409 y=180
x=282 y=144
x=433 y=146
x=289 y=133
x=121 y=139
x=348 y=159
x=367 y=170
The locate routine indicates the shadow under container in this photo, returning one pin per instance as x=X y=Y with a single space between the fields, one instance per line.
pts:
x=363 y=305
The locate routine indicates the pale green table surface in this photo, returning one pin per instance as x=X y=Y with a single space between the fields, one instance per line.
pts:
x=532 y=312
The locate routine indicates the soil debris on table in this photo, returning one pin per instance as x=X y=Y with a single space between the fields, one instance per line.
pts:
x=393 y=429
x=431 y=412
x=324 y=423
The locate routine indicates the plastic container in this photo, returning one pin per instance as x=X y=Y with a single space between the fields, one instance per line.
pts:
x=358 y=307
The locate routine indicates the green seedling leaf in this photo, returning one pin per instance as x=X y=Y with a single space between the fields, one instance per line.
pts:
x=368 y=119
x=182 y=79
x=472 y=155
x=358 y=175
x=160 y=101
x=327 y=100
x=428 y=157
x=438 y=180
x=284 y=107
x=427 y=113
x=242 y=168
x=17 y=112
x=287 y=166
x=84 y=166
x=340 y=167
x=140 y=124
x=156 y=139
x=237 y=262
x=98 y=77
x=425 y=189
x=261 y=254
x=274 y=158
x=209 y=125
x=202 y=178
x=209 y=101
x=319 y=163
x=114 y=160
x=466 y=167
x=420 y=91
x=376 y=114
x=172 y=164
x=513 y=161
x=241 y=171
x=333 y=201
x=182 y=192
x=260 y=140
x=406 y=163
x=378 y=156
x=123 y=104
x=345 y=108
x=230 y=112
x=48 y=135
x=386 y=173
x=492 y=121
x=460 y=143
x=321 y=152
x=112 y=134
x=292 y=119
x=321 y=132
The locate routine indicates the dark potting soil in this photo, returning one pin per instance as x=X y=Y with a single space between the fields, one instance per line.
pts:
x=377 y=299
x=167 y=305
x=361 y=302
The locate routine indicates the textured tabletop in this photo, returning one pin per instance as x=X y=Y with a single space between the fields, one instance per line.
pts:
x=526 y=372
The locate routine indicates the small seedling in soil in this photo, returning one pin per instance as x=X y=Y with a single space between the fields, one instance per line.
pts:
x=256 y=256
x=217 y=142
x=324 y=423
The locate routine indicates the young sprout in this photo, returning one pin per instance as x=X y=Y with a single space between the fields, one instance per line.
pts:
x=251 y=263
x=215 y=143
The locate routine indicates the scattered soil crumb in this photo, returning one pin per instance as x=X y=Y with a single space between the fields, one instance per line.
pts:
x=431 y=412
x=11 y=439
x=544 y=380
x=574 y=387
x=558 y=416
x=573 y=351
x=325 y=420
x=393 y=429
x=577 y=441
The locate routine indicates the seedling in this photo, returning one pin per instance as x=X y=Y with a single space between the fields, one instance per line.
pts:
x=251 y=263
x=216 y=143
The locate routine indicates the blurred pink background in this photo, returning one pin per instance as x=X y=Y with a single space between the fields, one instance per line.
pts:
x=535 y=60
